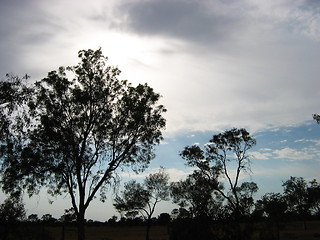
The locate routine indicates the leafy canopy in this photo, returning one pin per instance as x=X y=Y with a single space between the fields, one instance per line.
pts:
x=81 y=125
x=225 y=152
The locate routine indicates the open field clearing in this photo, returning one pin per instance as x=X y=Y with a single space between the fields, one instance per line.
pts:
x=111 y=233
x=259 y=231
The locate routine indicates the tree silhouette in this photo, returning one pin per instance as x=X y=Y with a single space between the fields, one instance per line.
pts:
x=296 y=194
x=197 y=194
x=68 y=216
x=143 y=198
x=79 y=129
x=33 y=218
x=313 y=192
x=12 y=211
x=215 y=161
x=274 y=205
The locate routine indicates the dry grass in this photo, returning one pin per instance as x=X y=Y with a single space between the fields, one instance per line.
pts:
x=296 y=231
x=289 y=231
x=112 y=233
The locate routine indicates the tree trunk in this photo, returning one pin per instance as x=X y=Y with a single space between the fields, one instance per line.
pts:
x=81 y=225
x=278 y=229
x=148 y=229
x=304 y=223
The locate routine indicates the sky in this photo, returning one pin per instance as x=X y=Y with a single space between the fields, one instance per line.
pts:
x=218 y=64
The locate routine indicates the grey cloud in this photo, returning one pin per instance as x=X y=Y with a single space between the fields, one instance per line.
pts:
x=26 y=27
x=188 y=20
x=219 y=22
x=25 y=23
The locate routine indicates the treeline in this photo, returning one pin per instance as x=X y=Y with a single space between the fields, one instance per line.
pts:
x=300 y=200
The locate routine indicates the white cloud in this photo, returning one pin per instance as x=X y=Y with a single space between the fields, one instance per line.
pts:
x=283 y=172
x=261 y=155
x=178 y=174
x=310 y=152
x=314 y=141
x=266 y=149
x=293 y=154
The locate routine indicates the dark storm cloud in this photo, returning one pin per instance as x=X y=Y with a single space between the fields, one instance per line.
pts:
x=183 y=19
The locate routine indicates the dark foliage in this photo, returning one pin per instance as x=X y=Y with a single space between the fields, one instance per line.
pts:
x=76 y=133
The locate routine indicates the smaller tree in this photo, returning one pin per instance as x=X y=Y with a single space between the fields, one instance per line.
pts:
x=144 y=197
x=314 y=197
x=296 y=194
x=69 y=216
x=196 y=194
x=225 y=152
x=33 y=218
x=12 y=210
x=273 y=205
x=180 y=213
x=112 y=220
x=48 y=218
x=246 y=192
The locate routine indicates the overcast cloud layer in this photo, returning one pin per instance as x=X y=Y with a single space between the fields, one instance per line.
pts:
x=217 y=64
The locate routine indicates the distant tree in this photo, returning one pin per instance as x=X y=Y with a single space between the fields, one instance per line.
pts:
x=274 y=205
x=180 y=213
x=197 y=195
x=144 y=197
x=12 y=210
x=246 y=192
x=76 y=133
x=215 y=161
x=48 y=218
x=33 y=218
x=112 y=220
x=296 y=194
x=313 y=191
x=69 y=216
x=164 y=219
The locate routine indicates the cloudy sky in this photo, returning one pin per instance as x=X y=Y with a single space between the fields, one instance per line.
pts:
x=217 y=63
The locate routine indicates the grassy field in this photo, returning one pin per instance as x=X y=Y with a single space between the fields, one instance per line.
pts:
x=262 y=231
x=111 y=233
x=295 y=230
